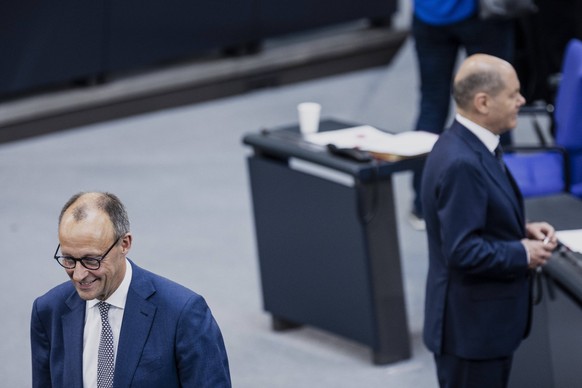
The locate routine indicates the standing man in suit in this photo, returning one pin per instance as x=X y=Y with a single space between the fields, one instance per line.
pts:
x=116 y=324
x=481 y=250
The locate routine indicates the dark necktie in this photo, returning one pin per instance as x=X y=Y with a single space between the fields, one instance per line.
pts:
x=106 y=355
x=499 y=156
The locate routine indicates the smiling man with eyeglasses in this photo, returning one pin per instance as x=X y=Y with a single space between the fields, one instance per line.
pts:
x=116 y=324
x=87 y=288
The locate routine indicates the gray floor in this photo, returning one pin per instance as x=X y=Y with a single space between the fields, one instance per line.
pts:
x=183 y=177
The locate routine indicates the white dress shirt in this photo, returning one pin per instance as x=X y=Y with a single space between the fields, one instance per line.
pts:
x=92 y=330
x=488 y=138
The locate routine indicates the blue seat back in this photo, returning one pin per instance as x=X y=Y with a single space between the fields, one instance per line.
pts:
x=575 y=165
x=568 y=109
x=537 y=173
x=568 y=112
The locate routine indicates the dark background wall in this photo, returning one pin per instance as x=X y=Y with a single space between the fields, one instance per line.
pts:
x=49 y=44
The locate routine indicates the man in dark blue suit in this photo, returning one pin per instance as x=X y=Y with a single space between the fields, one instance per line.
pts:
x=482 y=252
x=156 y=333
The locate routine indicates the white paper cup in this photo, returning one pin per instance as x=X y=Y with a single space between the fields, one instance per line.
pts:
x=309 y=117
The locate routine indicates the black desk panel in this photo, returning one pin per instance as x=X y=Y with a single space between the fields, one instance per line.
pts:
x=44 y=43
x=551 y=357
x=278 y=17
x=54 y=43
x=328 y=251
x=150 y=32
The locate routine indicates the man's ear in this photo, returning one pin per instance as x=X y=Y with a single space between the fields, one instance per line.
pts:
x=126 y=242
x=481 y=102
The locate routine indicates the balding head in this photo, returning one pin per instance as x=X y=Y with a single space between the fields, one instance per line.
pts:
x=478 y=73
x=80 y=206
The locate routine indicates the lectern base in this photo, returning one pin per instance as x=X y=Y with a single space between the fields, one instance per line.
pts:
x=281 y=324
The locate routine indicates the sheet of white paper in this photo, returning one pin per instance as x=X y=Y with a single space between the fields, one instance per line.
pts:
x=571 y=238
x=368 y=138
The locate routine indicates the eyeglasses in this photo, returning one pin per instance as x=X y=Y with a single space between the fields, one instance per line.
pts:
x=92 y=263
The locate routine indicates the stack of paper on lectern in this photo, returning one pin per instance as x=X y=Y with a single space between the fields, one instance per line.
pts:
x=571 y=239
x=381 y=144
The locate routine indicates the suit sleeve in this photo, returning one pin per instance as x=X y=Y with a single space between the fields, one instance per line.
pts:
x=40 y=351
x=480 y=230
x=201 y=355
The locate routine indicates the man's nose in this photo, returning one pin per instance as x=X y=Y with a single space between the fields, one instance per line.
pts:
x=79 y=272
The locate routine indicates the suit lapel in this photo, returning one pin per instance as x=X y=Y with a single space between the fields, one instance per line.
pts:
x=135 y=328
x=502 y=179
x=517 y=192
x=73 y=326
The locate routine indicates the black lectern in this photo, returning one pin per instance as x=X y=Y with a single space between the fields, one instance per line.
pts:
x=327 y=240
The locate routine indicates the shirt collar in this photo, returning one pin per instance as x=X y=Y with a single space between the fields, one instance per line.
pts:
x=119 y=297
x=488 y=138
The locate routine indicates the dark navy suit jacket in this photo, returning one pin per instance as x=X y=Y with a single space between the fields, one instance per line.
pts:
x=477 y=295
x=168 y=338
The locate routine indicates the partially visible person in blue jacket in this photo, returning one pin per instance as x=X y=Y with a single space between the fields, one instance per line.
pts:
x=441 y=28
x=116 y=324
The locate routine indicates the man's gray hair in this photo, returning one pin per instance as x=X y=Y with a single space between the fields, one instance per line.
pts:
x=106 y=202
x=487 y=81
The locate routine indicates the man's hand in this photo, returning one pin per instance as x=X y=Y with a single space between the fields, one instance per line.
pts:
x=540 y=242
